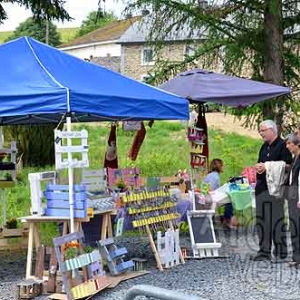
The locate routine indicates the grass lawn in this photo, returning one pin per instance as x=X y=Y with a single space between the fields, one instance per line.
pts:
x=4 y=35
x=164 y=151
x=67 y=34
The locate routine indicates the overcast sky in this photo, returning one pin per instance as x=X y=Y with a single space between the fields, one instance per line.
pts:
x=78 y=9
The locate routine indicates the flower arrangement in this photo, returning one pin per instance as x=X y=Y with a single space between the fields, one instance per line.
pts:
x=71 y=250
x=202 y=192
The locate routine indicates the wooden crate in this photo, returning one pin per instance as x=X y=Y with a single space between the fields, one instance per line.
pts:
x=58 y=201
x=14 y=232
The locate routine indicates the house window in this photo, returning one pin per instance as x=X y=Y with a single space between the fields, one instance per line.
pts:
x=148 y=56
x=189 y=50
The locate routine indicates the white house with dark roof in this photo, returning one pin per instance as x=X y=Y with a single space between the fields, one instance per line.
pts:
x=101 y=45
x=138 y=56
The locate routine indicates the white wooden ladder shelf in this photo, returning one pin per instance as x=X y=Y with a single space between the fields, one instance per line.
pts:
x=61 y=149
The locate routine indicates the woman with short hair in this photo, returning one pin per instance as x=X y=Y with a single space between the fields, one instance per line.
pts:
x=213 y=179
x=292 y=195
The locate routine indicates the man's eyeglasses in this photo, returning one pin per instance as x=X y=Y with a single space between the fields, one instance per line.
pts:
x=264 y=130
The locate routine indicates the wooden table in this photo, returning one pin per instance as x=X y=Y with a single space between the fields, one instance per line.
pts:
x=34 y=240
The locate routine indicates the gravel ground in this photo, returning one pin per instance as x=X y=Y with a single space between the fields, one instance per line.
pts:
x=233 y=276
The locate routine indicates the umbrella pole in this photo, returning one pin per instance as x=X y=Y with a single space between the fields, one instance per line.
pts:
x=191 y=171
x=71 y=178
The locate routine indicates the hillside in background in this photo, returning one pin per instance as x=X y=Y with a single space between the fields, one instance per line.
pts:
x=67 y=34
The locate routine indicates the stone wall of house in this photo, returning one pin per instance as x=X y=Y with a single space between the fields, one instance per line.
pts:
x=110 y=62
x=131 y=61
x=132 y=58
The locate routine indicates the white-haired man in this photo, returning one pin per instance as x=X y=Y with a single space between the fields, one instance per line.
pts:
x=270 y=210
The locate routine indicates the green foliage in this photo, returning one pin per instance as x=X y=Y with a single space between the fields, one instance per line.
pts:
x=11 y=223
x=66 y=34
x=88 y=249
x=236 y=151
x=240 y=38
x=41 y=9
x=4 y=35
x=164 y=151
x=35 y=142
x=94 y=21
x=37 y=30
x=71 y=252
x=184 y=228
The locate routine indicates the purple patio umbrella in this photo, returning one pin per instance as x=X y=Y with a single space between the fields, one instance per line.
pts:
x=203 y=86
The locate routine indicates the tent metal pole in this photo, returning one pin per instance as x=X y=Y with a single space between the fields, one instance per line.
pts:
x=71 y=178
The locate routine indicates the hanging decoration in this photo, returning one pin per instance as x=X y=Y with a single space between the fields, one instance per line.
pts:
x=111 y=157
x=137 y=143
x=197 y=136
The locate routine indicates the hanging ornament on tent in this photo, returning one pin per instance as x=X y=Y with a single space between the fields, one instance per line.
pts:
x=137 y=143
x=201 y=123
x=193 y=118
x=111 y=157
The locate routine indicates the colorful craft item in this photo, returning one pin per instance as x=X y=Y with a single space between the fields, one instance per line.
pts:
x=195 y=134
x=151 y=207
x=127 y=177
x=196 y=148
x=137 y=143
x=250 y=173
x=183 y=174
x=198 y=161
x=111 y=157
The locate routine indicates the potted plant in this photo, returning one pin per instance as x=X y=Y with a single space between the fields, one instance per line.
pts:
x=11 y=229
x=121 y=185
x=71 y=253
x=11 y=223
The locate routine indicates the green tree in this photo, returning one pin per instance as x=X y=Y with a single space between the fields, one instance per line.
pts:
x=41 y=9
x=36 y=142
x=261 y=36
x=94 y=21
x=37 y=29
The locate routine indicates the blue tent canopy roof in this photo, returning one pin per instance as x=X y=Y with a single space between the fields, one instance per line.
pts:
x=40 y=84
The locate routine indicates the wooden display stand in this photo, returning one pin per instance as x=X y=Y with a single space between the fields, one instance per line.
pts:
x=34 y=232
x=203 y=238
x=10 y=168
x=93 y=279
x=157 y=209
x=34 y=241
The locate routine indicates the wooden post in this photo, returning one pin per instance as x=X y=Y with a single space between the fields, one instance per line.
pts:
x=51 y=285
x=180 y=253
x=37 y=239
x=40 y=262
x=104 y=226
x=109 y=226
x=153 y=247
x=29 y=251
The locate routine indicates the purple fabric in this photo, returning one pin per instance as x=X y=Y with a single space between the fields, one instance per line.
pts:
x=182 y=207
x=204 y=86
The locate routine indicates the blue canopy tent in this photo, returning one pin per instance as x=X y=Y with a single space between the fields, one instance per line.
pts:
x=41 y=84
